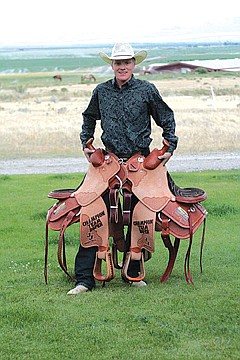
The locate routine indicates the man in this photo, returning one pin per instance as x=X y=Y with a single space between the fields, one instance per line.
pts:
x=125 y=106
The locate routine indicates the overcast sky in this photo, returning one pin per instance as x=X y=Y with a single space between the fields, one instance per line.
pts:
x=48 y=22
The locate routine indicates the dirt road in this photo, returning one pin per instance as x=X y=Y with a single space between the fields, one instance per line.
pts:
x=185 y=163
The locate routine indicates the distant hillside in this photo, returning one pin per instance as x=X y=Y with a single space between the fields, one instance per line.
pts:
x=79 y=58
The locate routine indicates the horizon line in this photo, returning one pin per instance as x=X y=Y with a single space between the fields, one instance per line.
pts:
x=64 y=45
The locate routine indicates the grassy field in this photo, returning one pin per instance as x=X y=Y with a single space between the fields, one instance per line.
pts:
x=42 y=118
x=163 y=321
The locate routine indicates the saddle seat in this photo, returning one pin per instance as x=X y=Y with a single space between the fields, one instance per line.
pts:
x=186 y=195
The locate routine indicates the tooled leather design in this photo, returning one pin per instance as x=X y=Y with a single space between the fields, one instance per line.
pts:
x=154 y=187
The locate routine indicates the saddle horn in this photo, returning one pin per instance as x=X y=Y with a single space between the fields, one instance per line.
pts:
x=90 y=145
x=97 y=157
x=152 y=161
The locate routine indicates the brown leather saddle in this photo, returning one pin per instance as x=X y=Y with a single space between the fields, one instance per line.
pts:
x=162 y=206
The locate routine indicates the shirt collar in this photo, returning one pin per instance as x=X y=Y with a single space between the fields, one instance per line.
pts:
x=128 y=83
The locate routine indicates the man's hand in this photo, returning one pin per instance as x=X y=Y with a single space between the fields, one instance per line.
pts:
x=165 y=157
x=88 y=153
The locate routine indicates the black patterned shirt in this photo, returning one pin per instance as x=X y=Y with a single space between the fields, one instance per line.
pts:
x=125 y=114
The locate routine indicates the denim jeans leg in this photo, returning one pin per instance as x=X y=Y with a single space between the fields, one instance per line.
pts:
x=84 y=263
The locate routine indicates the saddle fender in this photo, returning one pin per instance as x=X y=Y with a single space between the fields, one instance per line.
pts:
x=142 y=237
x=94 y=231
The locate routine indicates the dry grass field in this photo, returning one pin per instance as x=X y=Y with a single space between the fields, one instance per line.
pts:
x=46 y=121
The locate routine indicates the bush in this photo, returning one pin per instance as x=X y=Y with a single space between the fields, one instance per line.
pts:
x=201 y=70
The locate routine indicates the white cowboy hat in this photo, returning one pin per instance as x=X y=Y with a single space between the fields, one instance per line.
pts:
x=124 y=51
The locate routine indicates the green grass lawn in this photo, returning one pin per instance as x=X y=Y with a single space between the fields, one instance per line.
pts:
x=173 y=320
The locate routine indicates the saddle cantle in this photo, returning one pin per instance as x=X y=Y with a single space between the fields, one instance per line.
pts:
x=162 y=206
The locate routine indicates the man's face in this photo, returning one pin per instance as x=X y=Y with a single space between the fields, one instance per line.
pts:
x=123 y=69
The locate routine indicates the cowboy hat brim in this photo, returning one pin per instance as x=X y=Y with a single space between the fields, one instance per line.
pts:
x=139 y=57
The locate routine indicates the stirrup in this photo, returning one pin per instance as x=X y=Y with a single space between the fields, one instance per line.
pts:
x=97 y=271
x=125 y=275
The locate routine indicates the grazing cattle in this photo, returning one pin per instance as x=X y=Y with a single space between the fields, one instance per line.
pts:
x=89 y=77
x=57 y=77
